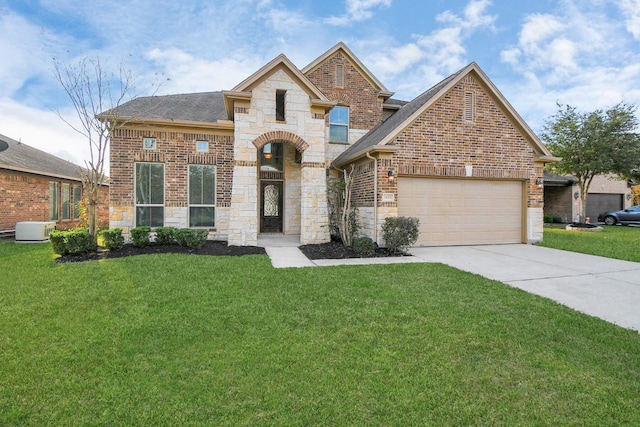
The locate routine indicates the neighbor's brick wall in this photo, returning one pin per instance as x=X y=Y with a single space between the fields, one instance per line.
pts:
x=25 y=197
x=176 y=150
x=440 y=142
x=365 y=105
x=363 y=185
x=558 y=201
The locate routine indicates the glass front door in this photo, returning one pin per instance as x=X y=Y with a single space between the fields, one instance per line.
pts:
x=271 y=207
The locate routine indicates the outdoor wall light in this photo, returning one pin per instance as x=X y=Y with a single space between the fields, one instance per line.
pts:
x=390 y=174
x=628 y=196
x=576 y=195
x=539 y=182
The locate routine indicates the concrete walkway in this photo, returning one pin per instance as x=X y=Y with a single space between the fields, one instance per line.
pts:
x=601 y=287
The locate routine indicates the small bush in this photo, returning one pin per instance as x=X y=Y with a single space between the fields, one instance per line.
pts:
x=112 y=239
x=140 y=236
x=59 y=242
x=364 y=245
x=165 y=235
x=190 y=238
x=78 y=241
x=399 y=233
x=548 y=218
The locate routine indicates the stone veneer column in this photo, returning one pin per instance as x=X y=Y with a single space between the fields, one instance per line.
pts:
x=243 y=214
x=313 y=204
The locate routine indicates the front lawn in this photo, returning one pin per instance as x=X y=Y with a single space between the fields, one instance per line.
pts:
x=618 y=242
x=200 y=340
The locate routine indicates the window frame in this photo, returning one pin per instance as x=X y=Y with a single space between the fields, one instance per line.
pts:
x=334 y=124
x=191 y=205
x=149 y=143
x=205 y=146
x=281 y=101
x=54 y=201
x=77 y=198
x=65 y=201
x=148 y=205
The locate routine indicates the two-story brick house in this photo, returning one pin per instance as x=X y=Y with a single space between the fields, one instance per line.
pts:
x=255 y=159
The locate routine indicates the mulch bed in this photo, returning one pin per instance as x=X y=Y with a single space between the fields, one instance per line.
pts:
x=210 y=247
x=336 y=250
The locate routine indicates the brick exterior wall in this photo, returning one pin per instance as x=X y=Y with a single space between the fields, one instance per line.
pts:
x=363 y=185
x=25 y=197
x=176 y=150
x=365 y=105
x=441 y=143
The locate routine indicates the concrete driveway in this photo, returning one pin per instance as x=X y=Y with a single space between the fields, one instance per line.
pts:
x=601 y=287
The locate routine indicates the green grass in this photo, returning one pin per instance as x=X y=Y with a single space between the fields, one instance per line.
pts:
x=195 y=340
x=612 y=242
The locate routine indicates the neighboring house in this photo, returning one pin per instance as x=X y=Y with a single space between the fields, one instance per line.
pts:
x=37 y=186
x=562 y=196
x=256 y=159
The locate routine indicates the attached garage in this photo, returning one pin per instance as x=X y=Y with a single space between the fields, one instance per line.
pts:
x=463 y=211
x=600 y=203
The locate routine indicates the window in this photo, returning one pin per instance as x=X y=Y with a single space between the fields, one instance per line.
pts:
x=149 y=143
x=339 y=124
x=339 y=75
x=54 y=191
x=77 y=198
x=66 y=201
x=202 y=146
x=272 y=157
x=280 y=95
x=149 y=194
x=202 y=196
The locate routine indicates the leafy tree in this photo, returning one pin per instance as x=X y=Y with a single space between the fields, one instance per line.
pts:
x=599 y=142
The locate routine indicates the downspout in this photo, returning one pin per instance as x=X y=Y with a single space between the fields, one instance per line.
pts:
x=375 y=197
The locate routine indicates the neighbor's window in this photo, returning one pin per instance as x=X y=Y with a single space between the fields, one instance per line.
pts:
x=202 y=146
x=339 y=75
x=202 y=196
x=280 y=98
x=149 y=143
x=54 y=191
x=149 y=194
x=66 y=201
x=77 y=198
x=339 y=124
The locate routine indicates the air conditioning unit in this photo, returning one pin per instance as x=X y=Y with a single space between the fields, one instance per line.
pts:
x=34 y=231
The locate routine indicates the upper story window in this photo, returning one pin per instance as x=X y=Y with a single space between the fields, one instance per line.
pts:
x=339 y=75
x=202 y=146
x=280 y=98
x=149 y=143
x=339 y=124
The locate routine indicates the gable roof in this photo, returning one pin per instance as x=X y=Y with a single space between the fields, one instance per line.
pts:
x=205 y=107
x=355 y=61
x=23 y=158
x=385 y=132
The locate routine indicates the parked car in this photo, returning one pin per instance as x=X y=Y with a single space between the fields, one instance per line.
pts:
x=625 y=216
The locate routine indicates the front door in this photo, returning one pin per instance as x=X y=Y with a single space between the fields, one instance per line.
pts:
x=271 y=207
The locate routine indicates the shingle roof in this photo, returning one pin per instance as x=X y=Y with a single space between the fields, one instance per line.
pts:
x=377 y=134
x=195 y=107
x=19 y=156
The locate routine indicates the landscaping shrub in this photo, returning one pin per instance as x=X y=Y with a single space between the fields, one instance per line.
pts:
x=113 y=238
x=190 y=238
x=59 y=242
x=140 y=236
x=165 y=235
x=77 y=241
x=399 y=233
x=548 y=218
x=364 y=245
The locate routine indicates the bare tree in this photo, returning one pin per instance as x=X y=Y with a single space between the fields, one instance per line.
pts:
x=92 y=91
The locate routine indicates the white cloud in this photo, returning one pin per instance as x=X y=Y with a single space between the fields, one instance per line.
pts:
x=631 y=12
x=474 y=16
x=357 y=11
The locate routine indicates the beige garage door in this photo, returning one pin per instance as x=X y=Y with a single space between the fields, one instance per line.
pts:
x=462 y=212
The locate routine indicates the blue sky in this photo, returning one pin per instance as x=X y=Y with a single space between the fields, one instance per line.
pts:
x=580 y=52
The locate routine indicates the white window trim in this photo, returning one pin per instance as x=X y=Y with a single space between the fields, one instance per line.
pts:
x=206 y=150
x=149 y=143
x=340 y=124
x=215 y=197
x=135 y=190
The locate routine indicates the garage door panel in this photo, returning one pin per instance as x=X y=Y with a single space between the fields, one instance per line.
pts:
x=463 y=212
